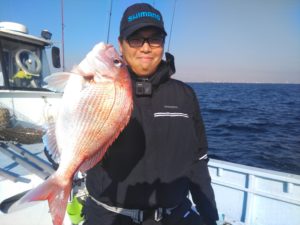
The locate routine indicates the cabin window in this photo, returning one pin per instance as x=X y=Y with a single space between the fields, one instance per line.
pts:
x=23 y=65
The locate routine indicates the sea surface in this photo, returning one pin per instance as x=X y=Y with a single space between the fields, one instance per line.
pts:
x=252 y=124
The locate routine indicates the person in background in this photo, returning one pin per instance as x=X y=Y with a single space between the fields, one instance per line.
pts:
x=161 y=156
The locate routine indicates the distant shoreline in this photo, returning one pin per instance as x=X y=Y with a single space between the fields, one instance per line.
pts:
x=212 y=82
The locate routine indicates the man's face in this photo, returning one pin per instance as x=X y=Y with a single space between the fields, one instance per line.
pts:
x=144 y=59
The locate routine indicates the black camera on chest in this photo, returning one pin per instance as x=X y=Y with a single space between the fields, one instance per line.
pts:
x=143 y=88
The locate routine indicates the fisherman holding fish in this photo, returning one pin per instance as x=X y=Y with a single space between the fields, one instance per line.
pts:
x=161 y=155
x=136 y=132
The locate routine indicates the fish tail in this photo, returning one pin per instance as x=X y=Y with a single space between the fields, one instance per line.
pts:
x=57 y=194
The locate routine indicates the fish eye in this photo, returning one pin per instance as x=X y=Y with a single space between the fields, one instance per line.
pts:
x=117 y=62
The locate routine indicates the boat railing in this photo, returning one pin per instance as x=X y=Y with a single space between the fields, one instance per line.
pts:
x=255 y=195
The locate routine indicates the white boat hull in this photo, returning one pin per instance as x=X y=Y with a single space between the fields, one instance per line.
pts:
x=255 y=196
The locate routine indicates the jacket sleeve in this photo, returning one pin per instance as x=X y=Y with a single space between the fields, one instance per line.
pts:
x=202 y=192
x=200 y=180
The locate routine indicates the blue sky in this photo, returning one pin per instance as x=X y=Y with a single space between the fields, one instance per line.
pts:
x=212 y=40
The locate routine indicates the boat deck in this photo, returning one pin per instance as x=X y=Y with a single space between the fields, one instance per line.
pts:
x=22 y=168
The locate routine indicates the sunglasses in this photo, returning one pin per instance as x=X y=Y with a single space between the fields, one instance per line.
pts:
x=154 y=42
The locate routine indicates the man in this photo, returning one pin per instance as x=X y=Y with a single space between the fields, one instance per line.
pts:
x=160 y=156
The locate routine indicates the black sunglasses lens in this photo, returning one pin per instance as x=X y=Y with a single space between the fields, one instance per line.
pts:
x=139 y=42
x=136 y=42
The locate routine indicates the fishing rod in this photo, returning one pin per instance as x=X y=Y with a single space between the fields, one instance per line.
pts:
x=62 y=35
x=172 y=22
x=109 y=19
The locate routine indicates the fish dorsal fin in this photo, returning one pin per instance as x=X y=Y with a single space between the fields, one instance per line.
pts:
x=57 y=81
x=49 y=140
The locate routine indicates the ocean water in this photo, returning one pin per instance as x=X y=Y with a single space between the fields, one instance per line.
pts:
x=252 y=124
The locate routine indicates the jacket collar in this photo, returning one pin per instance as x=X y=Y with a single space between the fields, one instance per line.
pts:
x=163 y=73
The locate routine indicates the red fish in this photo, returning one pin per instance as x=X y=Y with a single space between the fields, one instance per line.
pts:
x=96 y=106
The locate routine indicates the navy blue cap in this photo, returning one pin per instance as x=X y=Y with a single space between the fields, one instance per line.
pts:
x=138 y=16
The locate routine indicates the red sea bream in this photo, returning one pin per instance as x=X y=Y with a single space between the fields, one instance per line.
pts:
x=96 y=106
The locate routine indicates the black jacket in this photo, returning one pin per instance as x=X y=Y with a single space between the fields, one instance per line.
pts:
x=155 y=160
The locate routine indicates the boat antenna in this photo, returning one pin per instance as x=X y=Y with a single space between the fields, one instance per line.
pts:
x=109 y=19
x=172 y=22
x=62 y=35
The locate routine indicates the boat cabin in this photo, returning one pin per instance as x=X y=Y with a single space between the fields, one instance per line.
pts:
x=23 y=58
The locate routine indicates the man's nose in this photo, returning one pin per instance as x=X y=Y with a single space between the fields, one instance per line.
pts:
x=146 y=47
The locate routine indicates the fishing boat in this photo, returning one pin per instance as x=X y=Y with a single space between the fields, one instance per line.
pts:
x=245 y=195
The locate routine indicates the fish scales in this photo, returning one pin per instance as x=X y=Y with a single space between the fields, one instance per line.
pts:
x=93 y=122
x=104 y=119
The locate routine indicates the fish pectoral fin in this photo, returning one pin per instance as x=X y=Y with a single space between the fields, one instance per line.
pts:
x=57 y=81
x=51 y=149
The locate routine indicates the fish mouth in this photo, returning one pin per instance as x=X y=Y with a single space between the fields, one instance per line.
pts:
x=103 y=47
x=109 y=46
